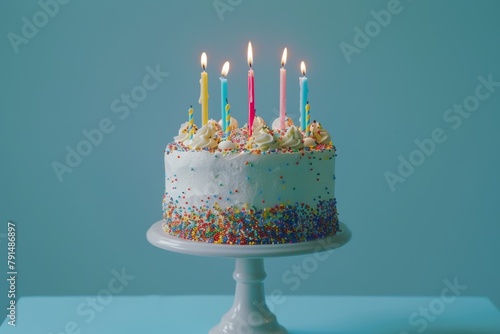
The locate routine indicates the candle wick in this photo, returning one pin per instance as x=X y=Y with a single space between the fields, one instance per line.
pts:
x=226 y=101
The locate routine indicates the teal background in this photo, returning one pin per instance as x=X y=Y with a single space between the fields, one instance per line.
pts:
x=441 y=223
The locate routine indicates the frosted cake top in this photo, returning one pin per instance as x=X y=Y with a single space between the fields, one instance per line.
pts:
x=210 y=137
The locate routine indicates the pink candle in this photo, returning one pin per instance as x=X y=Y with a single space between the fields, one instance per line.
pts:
x=283 y=90
x=251 y=91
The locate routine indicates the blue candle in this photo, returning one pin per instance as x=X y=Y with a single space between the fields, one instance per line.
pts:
x=304 y=91
x=223 y=94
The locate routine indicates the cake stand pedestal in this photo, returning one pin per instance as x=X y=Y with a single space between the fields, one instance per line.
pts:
x=249 y=313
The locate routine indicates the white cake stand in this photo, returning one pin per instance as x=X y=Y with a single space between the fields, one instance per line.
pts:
x=249 y=313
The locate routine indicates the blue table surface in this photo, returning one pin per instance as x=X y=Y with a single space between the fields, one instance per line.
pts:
x=299 y=314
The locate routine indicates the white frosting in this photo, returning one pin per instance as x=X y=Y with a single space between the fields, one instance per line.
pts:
x=204 y=137
x=276 y=123
x=203 y=178
x=310 y=142
x=214 y=124
x=262 y=140
x=322 y=136
x=183 y=133
x=258 y=124
x=292 y=138
x=233 y=125
x=226 y=145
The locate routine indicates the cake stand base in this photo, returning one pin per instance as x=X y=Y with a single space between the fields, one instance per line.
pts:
x=249 y=313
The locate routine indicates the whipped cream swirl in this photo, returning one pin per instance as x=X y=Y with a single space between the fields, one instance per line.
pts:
x=232 y=126
x=322 y=136
x=204 y=137
x=183 y=133
x=258 y=124
x=276 y=123
x=263 y=140
x=309 y=142
x=292 y=138
x=214 y=124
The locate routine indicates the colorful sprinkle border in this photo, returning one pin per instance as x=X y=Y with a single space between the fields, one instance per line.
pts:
x=247 y=226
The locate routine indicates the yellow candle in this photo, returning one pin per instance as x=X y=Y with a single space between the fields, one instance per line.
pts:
x=204 y=90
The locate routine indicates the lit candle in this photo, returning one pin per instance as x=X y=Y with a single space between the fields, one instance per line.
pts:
x=251 y=90
x=304 y=91
x=308 y=119
x=228 y=120
x=204 y=90
x=191 y=122
x=283 y=90
x=223 y=93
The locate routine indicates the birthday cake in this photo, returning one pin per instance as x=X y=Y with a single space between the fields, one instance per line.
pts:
x=274 y=186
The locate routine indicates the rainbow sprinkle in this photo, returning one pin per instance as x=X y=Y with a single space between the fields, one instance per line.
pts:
x=247 y=226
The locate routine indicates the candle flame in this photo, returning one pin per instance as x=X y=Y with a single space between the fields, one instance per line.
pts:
x=250 y=54
x=283 y=58
x=225 y=69
x=303 y=68
x=203 y=61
